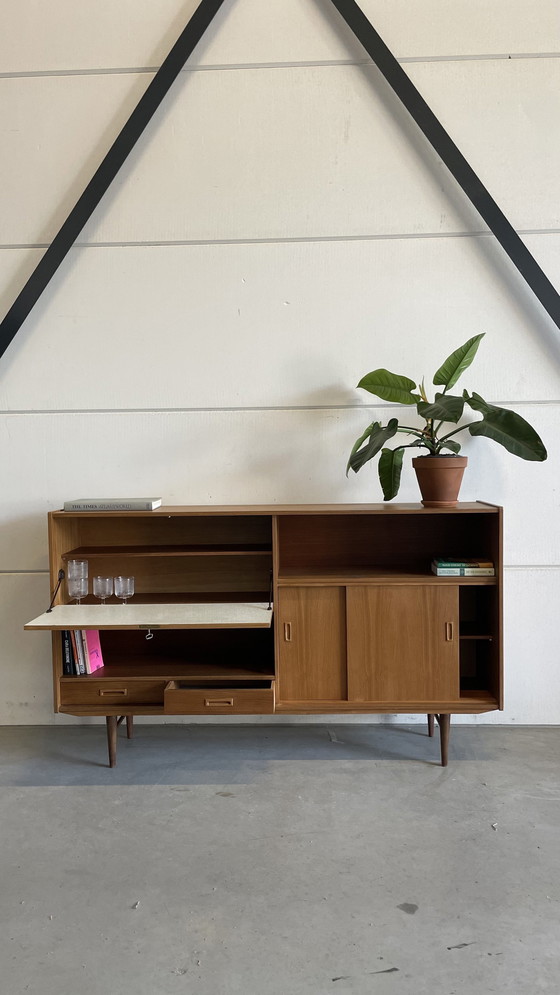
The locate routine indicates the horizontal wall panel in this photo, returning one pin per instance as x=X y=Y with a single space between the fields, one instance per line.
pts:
x=212 y=326
x=240 y=457
x=324 y=151
x=93 y=34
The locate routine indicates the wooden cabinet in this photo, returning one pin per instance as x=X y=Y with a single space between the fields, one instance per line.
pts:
x=286 y=609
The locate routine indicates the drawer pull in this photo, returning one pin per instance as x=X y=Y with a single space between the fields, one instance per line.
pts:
x=122 y=691
x=449 y=632
x=218 y=701
x=288 y=632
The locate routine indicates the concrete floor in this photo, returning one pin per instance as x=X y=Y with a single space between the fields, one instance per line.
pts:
x=279 y=861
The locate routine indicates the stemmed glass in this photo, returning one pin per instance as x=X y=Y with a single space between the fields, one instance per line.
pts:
x=77 y=579
x=77 y=588
x=102 y=588
x=124 y=588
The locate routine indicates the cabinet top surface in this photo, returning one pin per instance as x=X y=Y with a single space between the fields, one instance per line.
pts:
x=170 y=511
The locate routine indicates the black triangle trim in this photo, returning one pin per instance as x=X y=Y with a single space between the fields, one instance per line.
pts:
x=156 y=92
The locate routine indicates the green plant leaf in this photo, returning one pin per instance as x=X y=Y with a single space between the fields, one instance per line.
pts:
x=389 y=386
x=361 y=440
x=507 y=428
x=446 y=407
x=450 y=371
x=455 y=447
x=390 y=468
x=378 y=436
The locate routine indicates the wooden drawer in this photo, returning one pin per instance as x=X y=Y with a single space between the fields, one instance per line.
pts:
x=183 y=698
x=85 y=691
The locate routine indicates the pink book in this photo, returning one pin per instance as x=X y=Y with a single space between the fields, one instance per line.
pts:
x=94 y=649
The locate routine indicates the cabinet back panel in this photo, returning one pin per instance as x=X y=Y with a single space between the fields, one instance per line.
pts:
x=142 y=531
x=219 y=647
x=401 y=541
x=177 y=575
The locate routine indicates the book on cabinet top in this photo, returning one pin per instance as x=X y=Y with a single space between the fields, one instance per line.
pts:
x=113 y=504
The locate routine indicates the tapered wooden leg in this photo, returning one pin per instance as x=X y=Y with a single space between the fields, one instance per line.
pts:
x=129 y=724
x=430 y=725
x=444 y=725
x=112 y=739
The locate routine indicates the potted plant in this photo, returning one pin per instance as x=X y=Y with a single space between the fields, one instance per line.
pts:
x=440 y=471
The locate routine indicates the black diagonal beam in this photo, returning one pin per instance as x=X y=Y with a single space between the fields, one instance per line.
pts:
x=451 y=156
x=106 y=172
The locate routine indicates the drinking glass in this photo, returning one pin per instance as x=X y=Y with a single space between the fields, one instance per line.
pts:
x=77 y=588
x=124 y=588
x=77 y=568
x=102 y=588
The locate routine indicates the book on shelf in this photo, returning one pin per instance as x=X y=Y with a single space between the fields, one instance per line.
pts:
x=67 y=655
x=113 y=504
x=457 y=561
x=75 y=654
x=85 y=649
x=80 y=652
x=463 y=571
x=95 y=656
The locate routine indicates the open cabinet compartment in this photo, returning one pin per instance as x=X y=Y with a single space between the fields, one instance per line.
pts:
x=399 y=541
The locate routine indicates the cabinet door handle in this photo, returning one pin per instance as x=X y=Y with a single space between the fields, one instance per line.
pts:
x=449 y=632
x=288 y=632
x=218 y=701
x=122 y=691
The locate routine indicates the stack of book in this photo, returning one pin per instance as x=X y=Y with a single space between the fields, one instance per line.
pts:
x=466 y=567
x=81 y=652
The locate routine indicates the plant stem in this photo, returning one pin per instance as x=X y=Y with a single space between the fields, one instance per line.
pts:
x=461 y=429
x=410 y=431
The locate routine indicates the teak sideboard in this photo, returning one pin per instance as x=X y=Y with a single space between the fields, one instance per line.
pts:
x=283 y=609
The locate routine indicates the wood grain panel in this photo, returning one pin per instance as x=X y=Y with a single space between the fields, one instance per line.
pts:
x=400 y=646
x=181 y=700
x=311 y=644
x=89 y=691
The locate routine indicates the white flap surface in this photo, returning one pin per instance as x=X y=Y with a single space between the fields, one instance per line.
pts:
x=197 y=616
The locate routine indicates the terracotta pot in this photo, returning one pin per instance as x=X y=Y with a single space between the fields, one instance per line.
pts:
x=439 y=479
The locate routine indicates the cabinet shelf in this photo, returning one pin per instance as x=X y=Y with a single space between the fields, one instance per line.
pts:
x=322 y=576
x=168 y=669
x=196 y=549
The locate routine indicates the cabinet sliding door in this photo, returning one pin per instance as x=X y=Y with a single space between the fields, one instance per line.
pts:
x=403 y=643
x=311 y=644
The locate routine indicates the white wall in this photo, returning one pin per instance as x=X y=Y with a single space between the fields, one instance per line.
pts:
x=280 y=229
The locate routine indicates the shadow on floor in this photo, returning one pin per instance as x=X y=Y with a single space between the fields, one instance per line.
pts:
x=212 y=754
